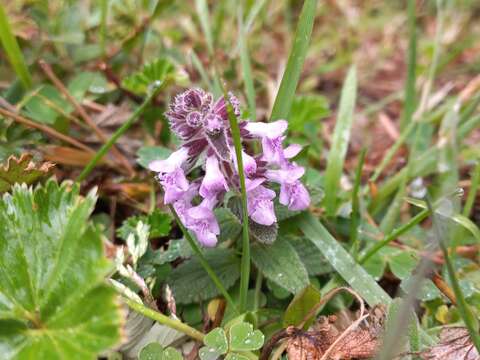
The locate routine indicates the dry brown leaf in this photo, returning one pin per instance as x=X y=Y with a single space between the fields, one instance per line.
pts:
x=22 y=170
x=331 y=338
x=454 y=344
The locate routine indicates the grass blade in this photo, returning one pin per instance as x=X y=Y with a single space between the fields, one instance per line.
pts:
x=342 y=261
x=341 y=137
x=14 y=54
x=410 y=96
x=288 y=85
x=246 y=67
x=204 y=17
x=356 y=215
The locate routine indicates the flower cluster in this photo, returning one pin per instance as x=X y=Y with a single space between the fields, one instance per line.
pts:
x=202 y=125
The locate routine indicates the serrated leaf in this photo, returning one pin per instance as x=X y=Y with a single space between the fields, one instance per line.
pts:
x=159 y=223
x=54 y=302
x=230 y=227
x=217 y=340
x=22 y=170
x=261 y=233
x=280 y=263
x=244 y=338
x=147 y=154
x=160 y=70
x=300 y=306
x=191 y=283
x=307 y=109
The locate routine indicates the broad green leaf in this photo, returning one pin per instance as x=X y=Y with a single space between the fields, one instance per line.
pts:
x=191 y=283
x=147 y=154
x=300 y=307
x=235 y=356
x=54 y=303
x=158 y=71
x=152 y=351
x=230 y=227
x=207 y=353
x=280 y=263
x=22 y=170
x=46 y=105
x=172 y=354
x=341 y=137
x=244 y=338
x=291 y=76
x=217 y=340
x=12 y=50
x=159 y=223
x=83 y=82
x=310 y=255
x=307 y=109
x=342 y=261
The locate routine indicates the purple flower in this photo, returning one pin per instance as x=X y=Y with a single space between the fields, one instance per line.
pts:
x=171 y=175
x=272 y=139
x=202 y=222
x=213 y=181
x=203 y=126
x=294 y=195
x=259 y=202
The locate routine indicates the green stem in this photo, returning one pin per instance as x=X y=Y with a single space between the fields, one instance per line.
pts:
x=116 y=135
x=395 y=234
x=245 y=266
x=204 y=262
x=164 y=320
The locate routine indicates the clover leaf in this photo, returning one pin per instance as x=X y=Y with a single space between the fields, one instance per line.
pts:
x=54 y=303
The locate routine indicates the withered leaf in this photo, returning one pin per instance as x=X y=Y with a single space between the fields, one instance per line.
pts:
x=455 y=344
x=22 y=170
x=361 y=342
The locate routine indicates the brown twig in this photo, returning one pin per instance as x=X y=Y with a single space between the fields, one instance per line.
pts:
x=22 y=120
x=444 y=288
x=47 y=69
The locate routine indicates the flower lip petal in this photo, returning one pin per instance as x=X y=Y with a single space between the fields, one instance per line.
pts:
x=173 y=162
x=292 y=150
x=269 y=130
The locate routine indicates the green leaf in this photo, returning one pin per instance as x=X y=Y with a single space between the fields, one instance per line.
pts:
x=12 y=50
x=217 y=340
x=234 y=356
x=207 y=353
x=280 y=263
x=147 y=154
x=160 y=70
x=22 y=170
x=307 y=109
x=191 y=283
x=341 y=137
x=244 y=338
x=230 y=227
x=152 y=351
x=300 y=306
x=54 y=302
x=46 y=105
x=159 y=223
x=291 y=76
x=342 y=261
x=311 y=257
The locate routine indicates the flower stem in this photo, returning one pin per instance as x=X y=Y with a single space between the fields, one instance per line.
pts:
x=116 y=135
x=245 y=266
x=164 y=320
x=395 y=234
x=204 y=262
